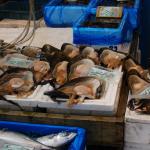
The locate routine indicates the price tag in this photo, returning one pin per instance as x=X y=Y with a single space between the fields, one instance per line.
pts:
x=109 y=12
x=18 y=62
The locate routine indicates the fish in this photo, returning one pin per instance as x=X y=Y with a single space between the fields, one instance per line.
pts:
x=60 y=72
x=112 y=59
x=78 y=89
x=90 y=53
x=53 y=55
x=40 y=70
x=22 y=140
x=70 y=50
x=139 y=105
x=31 y=51
x=15 y=82
x=80 y=68
x=57 y=140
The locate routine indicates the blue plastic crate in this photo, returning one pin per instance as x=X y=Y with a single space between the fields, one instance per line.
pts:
x=102 y=36
x=134 y=13
x=62 y=15
x=40 y=130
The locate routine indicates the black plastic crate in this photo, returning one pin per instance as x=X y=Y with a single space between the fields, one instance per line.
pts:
x=19 y=9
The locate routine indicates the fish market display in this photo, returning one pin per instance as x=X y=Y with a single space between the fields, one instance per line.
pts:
x=67 y=70
x=10 y=140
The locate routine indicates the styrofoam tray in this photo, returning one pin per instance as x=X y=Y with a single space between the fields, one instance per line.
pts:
x=107 y=104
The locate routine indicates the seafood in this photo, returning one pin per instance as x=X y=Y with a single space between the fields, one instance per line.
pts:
x=40 y=69
x=140 y=90
x=16 y=82
x=79 y=89
x=133 y=68
x=53 y=55
x=138 y=86
x=139 y=105
x=60 y=72
x=111 y=59
x=20 y=139
x=69 y=50
x=57 y=140
x=9 y=146
x=80 y=68
x=49 y=49
x=31 y=51
x=89 y=52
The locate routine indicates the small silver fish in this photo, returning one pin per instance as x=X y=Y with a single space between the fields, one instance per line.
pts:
x=56 y=140
x=20 y=139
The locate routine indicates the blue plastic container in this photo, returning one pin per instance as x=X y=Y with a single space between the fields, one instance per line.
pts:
x=102 y=36
x=40 y=130
x=60 y=15
x=134 y=13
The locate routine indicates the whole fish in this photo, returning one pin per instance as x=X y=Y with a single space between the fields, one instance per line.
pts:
x=22 y=140
x=57 y=140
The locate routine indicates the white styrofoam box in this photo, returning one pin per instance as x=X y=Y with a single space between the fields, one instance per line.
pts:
x=137 y=133
x=137 y=129
x=107 y=104
x=136 y=146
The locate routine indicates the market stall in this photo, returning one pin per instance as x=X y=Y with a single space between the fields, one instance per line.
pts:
x=79 y=76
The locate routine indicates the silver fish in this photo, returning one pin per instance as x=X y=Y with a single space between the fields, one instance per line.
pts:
x=9 y=146
x=57 y=140
x=20 y=139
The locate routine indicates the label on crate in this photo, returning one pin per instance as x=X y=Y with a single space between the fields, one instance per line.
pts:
x=109 y=12
x=14 y=147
